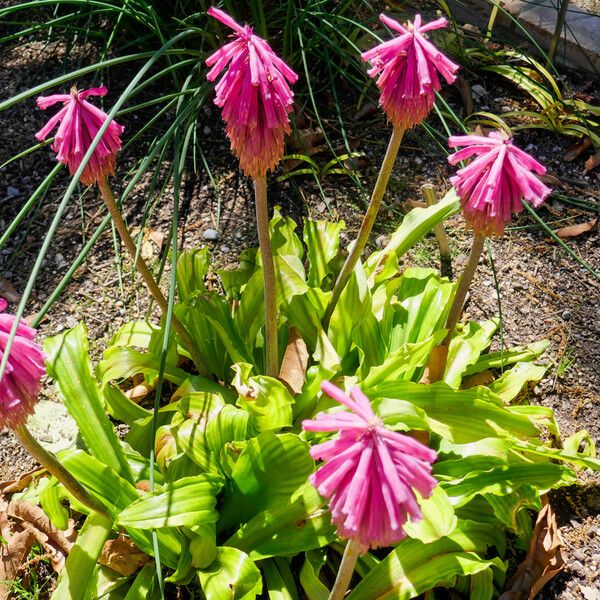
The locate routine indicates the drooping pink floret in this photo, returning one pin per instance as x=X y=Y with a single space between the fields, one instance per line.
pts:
x=369 y=472
x=21 y=381
x=408 y=68
x=79 y=123
x=491 y=186
x=254 y=95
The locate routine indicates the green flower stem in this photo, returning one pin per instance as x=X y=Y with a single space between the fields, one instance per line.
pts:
x=270 y=293
x=463 y=287
x=144 y=271
x=49 y=461
x=342 y=581
x=367 y=224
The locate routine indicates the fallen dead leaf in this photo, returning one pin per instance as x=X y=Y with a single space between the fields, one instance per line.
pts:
x=552 y=180
x=574 y=150
x=123 y=556
x=13 y=554
x=55 y=542
x=465 y=94
x=572 y=231
x=8 y=291
x=16 y=485
x=139 y=392
x=482 y=378
x=158 y=237
x=544 y=559
x=367 y=109
x=294 y=363
x=591 y=163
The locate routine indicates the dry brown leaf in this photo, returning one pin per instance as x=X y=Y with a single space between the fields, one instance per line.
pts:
x=482 y=378
x=158 y=237
x=544 y=559
x=420 y=436
x=366 y=110
x=123 y=556
x=574 y=150
x=304 y=140
x=55 y=542
x=16 y=485
x=8 y=291
x=13 y=554
x=591 y=163
x=139 y=392
x=465 y=94
x=572 y=231
x=552 y=180
x=434 y=371
x=294 y=363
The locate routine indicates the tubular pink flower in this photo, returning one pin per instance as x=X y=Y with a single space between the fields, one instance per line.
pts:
x=254 y=95
x=79 y=122
x=407 y=68
x=369 y=472
x=21 y=381
x=492 y=186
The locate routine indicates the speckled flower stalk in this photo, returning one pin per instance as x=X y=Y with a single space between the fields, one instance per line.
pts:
x=406 y=68
x=78 y=123
x=255 y=100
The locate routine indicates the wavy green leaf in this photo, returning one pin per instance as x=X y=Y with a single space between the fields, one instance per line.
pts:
x=232 y=576
x=68 y=363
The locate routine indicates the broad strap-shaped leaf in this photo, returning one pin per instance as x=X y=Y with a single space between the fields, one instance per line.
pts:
x=69 y=364
x=101 y=480
x=266 y=474
x=133 y=333
x=505 y=479
x=266 y=399
x=279 y=579
x=121 y=408
x=466 y=347
x=192 y=268
x=302 y=523
x=511 y=382
x=77 y=576
x=461 y=416
x=383 y=264
x=403 y=360
x=438 y=518
x=413 y=567
x=311 y=583
x=232 y=576
x=187 y=502
x=497 y=360
x=322 y=239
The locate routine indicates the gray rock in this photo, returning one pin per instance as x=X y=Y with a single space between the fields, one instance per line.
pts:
x=12 y=191
x=478 y=91
x=53 y=426
x=212 y=235
x=567 y=315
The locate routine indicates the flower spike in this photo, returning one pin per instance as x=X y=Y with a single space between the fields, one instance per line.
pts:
x=369 y=472
x=78 y=123
x=407 y=68
x=492 y=186
x=254 y=95
x=21 y=382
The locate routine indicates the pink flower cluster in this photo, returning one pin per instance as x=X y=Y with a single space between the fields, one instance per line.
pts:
x=369 y=472
x=254 y=95
x=491 y=186
x=407 y=67
x=79 y=123
x=21 y=381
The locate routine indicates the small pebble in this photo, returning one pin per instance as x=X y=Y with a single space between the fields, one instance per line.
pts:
x=211 y=235
x=207 y=130
x=567 y=315
x=478 y=91
x=225 y=249
x=12 y=191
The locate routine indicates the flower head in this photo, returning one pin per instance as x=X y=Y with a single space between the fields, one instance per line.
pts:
x=491 y=186
x=21 y=381
x=408 y=68
x=79 y=123
x=254 y=95
x=369 y=472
